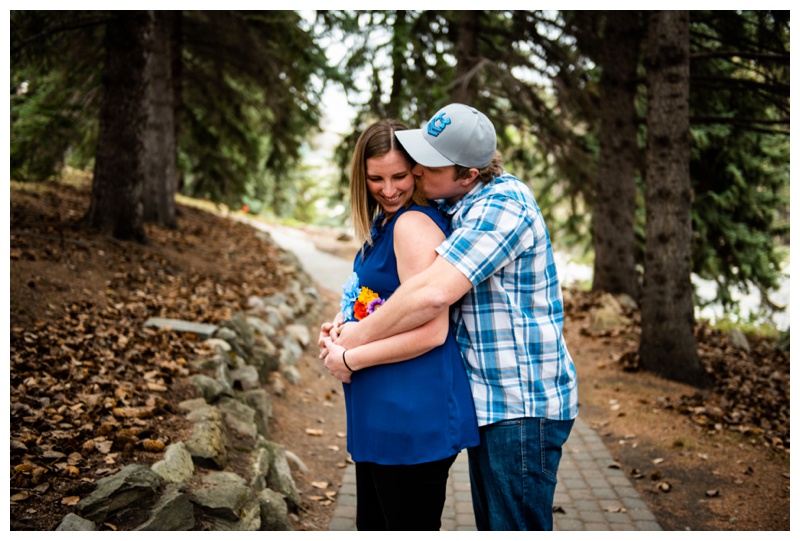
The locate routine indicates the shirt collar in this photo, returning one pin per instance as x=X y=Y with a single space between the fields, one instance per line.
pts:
x=451 y=209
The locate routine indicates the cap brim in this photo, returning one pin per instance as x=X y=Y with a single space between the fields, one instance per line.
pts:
x=420 y=150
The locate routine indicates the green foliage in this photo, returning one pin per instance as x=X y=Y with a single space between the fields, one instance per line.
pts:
x=740 y=151
x=249 y=104
x=56 y=89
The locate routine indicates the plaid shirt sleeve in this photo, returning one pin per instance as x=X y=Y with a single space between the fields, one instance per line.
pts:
x=491 y=234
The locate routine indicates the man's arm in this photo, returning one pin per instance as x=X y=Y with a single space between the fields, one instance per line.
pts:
x=418 y=300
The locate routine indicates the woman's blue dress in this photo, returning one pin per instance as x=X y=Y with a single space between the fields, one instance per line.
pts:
x=413 y=411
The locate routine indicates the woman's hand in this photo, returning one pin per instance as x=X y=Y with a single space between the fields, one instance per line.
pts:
x=334 y=362
x=329 y=329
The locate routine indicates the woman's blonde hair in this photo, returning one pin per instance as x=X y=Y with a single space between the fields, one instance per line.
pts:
x=376 y=141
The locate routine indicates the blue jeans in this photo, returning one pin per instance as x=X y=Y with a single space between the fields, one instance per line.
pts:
x=513 y=473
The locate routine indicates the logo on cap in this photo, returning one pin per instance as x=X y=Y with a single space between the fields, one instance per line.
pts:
x=437 y=124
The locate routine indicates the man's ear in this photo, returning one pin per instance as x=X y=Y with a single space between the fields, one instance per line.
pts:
x=469 y=180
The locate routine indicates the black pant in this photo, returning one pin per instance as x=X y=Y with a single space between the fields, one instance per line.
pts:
x=401 y=497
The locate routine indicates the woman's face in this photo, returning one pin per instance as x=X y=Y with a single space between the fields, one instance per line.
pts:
x=389 y=181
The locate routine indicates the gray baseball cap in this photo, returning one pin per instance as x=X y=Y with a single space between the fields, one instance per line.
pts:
x=456 y=135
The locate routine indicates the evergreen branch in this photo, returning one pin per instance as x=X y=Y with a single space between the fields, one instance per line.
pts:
x=775 y=89
x=783 y=58
x=75 y=24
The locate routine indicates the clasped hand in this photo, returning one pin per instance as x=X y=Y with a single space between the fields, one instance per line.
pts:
x=330 y=352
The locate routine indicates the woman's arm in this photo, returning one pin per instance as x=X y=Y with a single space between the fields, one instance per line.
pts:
x=416 y=237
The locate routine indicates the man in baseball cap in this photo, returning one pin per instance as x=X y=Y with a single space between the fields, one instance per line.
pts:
x=497 y=271
x=456 y=135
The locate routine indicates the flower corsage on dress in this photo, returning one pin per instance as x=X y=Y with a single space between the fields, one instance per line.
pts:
x=358 y=302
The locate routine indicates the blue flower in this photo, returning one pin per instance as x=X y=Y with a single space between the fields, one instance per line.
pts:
x=350 y=292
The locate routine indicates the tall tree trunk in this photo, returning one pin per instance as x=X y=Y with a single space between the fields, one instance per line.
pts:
x=116 y=203
x=400 y=33
x=466 y=50
x=615 y=191
x=667 y=344
x=161 y=178
x=176 y=50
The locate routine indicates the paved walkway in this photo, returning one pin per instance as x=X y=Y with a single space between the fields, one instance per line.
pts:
x=590 y=494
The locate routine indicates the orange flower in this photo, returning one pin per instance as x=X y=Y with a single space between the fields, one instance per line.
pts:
x=360 y=310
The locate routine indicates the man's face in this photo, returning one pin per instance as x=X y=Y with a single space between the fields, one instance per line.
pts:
x=438 y=182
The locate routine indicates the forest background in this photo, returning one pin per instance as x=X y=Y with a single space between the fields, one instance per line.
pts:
x=609 y=116
x=656 y=143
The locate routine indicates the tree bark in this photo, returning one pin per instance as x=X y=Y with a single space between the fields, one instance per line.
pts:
x=116 y=202
x=667 y=344
x=615 y=189
x=466 y=50
x=161 y=175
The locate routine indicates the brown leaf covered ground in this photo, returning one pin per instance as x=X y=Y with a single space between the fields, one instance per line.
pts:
x=92 y=390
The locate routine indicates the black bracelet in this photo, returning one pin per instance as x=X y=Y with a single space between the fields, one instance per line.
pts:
x=345 y=361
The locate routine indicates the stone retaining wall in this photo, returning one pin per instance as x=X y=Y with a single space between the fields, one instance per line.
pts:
x=195 y=486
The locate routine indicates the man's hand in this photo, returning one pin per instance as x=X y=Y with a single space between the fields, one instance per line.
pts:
x=347 y=336
x=334 y=362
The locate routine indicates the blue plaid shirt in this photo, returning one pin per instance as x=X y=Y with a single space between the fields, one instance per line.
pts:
x=509 y=325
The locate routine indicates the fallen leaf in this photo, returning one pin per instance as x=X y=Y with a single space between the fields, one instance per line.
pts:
x=154 y=446
x=664 y=487
x=314 y=432
x=559 y=509
x=70 y=500
x=616 y=510
x=20 y=496
x=658 y=461
x=712 y=493
x=322 y=485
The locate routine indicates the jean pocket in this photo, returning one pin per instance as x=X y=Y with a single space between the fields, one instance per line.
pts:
x=552 y=436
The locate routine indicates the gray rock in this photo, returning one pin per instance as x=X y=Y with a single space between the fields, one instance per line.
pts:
x=133 y=486
x=74 y=523
x=626 y=301
x=737 y=339
x=290 y=350
x=238 y=417
x=209 y=388
x=177 y=465
x=243 y=344
x=295 y=463
x=174 y=512
x=606 y=318
x=300 y=333
x=223 y=376
x=261 y=459
x=266 y=360
x=275 y=300
x=246 y=378
x=261 y=402
x=179 y=325
x=219 y=345
x=207 y=444
x=274 y=318
x=261 y=327
x=274 y=513
x=277 y=384
x=292 y=374
x=227 y=334
x=193 y=404
x=280 y=475
x=228 y=503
